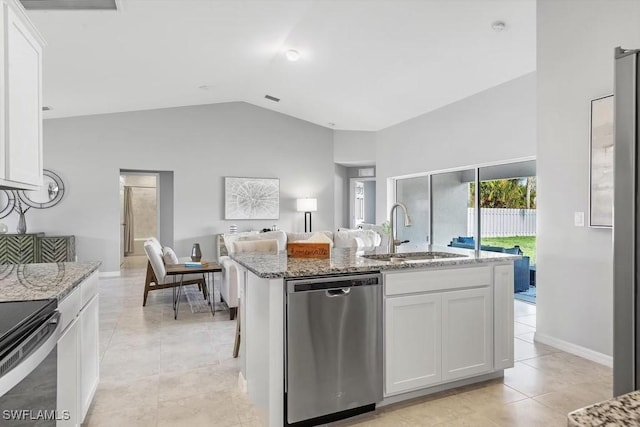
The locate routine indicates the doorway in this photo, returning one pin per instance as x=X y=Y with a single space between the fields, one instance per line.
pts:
x=139 y=214
x=362 y=201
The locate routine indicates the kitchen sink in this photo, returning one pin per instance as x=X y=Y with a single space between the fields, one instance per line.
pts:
x=413 y=256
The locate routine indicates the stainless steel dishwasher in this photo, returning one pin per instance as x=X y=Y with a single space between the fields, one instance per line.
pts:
x=333 y=347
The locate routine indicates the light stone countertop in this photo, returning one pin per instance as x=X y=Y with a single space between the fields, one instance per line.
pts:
x=26 y=282
x=620 y=411
x=344 y=261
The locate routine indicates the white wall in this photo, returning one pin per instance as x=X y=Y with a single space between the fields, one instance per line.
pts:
x=498 y=124
x=201 y=145
x=341 y=191
x=354 y=147
x=575 y=65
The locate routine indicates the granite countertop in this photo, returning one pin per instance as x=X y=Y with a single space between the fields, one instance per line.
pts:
x=25 y=282
x=344 y=261
x=620 y=411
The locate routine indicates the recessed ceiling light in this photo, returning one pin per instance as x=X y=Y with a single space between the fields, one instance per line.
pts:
x=204 y=87
x=499 y=26
x=292 y=55
x=331 y=124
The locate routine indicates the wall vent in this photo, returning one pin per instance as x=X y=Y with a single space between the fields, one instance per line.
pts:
x=70 y=4
x=272 y=98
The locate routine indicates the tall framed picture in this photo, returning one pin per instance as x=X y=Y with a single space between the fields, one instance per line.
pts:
x=601 y=163
x=251 y=198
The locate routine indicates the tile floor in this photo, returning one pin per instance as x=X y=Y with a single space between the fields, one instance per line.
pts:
x=157 y=371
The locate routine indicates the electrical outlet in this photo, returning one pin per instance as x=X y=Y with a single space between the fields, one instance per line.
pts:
x=578 y=219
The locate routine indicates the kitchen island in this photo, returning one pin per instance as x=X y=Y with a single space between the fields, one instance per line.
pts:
x=445 y=322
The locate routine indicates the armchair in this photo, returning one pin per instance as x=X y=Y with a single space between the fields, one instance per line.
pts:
x=157 y=272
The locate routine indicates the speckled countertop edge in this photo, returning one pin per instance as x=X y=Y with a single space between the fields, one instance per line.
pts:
x=620 y=411
x=27 y=282
x=344 y=261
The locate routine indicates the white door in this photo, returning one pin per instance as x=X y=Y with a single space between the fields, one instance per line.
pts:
x=68 y=381
x=413 y=339
x=467 y=333
x=503 y=316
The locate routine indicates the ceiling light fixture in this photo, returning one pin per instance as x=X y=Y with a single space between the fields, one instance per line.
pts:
x=499 y=26
x=292 y=55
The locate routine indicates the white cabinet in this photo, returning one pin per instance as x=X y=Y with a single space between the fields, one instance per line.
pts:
x=413 y=337
x=68 y=381
x=78 y=351
x=445 y=325
x=503 y=316
x=21 y=98
x=89 y=352
x=467 y=333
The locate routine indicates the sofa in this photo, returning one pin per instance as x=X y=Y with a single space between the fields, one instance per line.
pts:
x=344 y=238
x=521 y=277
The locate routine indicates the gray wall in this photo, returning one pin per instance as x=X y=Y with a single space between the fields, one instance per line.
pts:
x=575 y=264
x=165 y=180
x=498 y=124
x=369 y=202
x=341 y=189
x=200 y=145
x=354 y=147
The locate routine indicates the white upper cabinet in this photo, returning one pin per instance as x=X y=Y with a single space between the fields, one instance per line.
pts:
x=21 y=93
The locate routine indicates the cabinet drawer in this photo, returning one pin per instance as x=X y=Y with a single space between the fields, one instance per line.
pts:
x=69 y=307
x=89 y=288
x=407 y=282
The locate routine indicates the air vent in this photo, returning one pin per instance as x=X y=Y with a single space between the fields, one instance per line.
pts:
x=272 y=98
x=45 y=108
x=69 y=4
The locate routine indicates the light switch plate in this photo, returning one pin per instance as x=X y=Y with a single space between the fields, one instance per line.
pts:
x=578 y=219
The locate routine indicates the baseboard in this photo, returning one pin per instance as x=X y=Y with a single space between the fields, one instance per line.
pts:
x=106 y=274
x=242 y=383
x=389 y=400
x=577 y=350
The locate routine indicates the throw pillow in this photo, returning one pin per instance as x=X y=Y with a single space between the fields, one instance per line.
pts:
x=169 y=256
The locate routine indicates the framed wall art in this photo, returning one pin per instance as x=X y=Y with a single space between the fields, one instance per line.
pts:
x=601 y=163
x=251 y=198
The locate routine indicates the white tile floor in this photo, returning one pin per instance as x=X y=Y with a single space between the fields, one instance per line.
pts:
x=157 y=371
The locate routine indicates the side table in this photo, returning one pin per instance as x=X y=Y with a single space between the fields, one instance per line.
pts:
x=207 y=268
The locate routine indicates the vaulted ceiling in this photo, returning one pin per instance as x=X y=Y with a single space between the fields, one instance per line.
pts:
x=364 y=65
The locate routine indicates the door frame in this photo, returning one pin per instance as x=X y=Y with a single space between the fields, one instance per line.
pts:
x=352 y=197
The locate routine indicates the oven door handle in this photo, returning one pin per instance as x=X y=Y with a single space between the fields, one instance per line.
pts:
x=47 y=336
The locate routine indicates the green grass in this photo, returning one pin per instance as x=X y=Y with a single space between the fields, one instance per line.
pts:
x=526 y=243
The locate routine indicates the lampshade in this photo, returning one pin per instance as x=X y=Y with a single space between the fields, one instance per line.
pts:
x=307 y=204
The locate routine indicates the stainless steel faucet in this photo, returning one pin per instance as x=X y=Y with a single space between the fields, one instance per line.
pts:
x=407 y=223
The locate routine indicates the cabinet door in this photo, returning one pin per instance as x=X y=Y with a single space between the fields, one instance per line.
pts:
x=89 y=354
x=467 y=333
x=412 y=342
x=503 y=316
x=23 y=104
x=68 y=380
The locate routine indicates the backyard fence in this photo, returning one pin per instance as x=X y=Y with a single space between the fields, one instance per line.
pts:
x=503 y=222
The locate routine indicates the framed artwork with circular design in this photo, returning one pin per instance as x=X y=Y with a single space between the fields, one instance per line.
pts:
x=48 y=195
x=7 y=202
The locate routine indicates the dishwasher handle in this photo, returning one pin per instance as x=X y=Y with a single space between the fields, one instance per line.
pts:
x=332 y=293
x=333 y=282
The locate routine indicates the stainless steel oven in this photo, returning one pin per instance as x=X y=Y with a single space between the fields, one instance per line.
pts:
x=333 y=348
x=28 y=363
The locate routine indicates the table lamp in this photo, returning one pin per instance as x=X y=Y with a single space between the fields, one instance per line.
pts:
x=307 y=205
